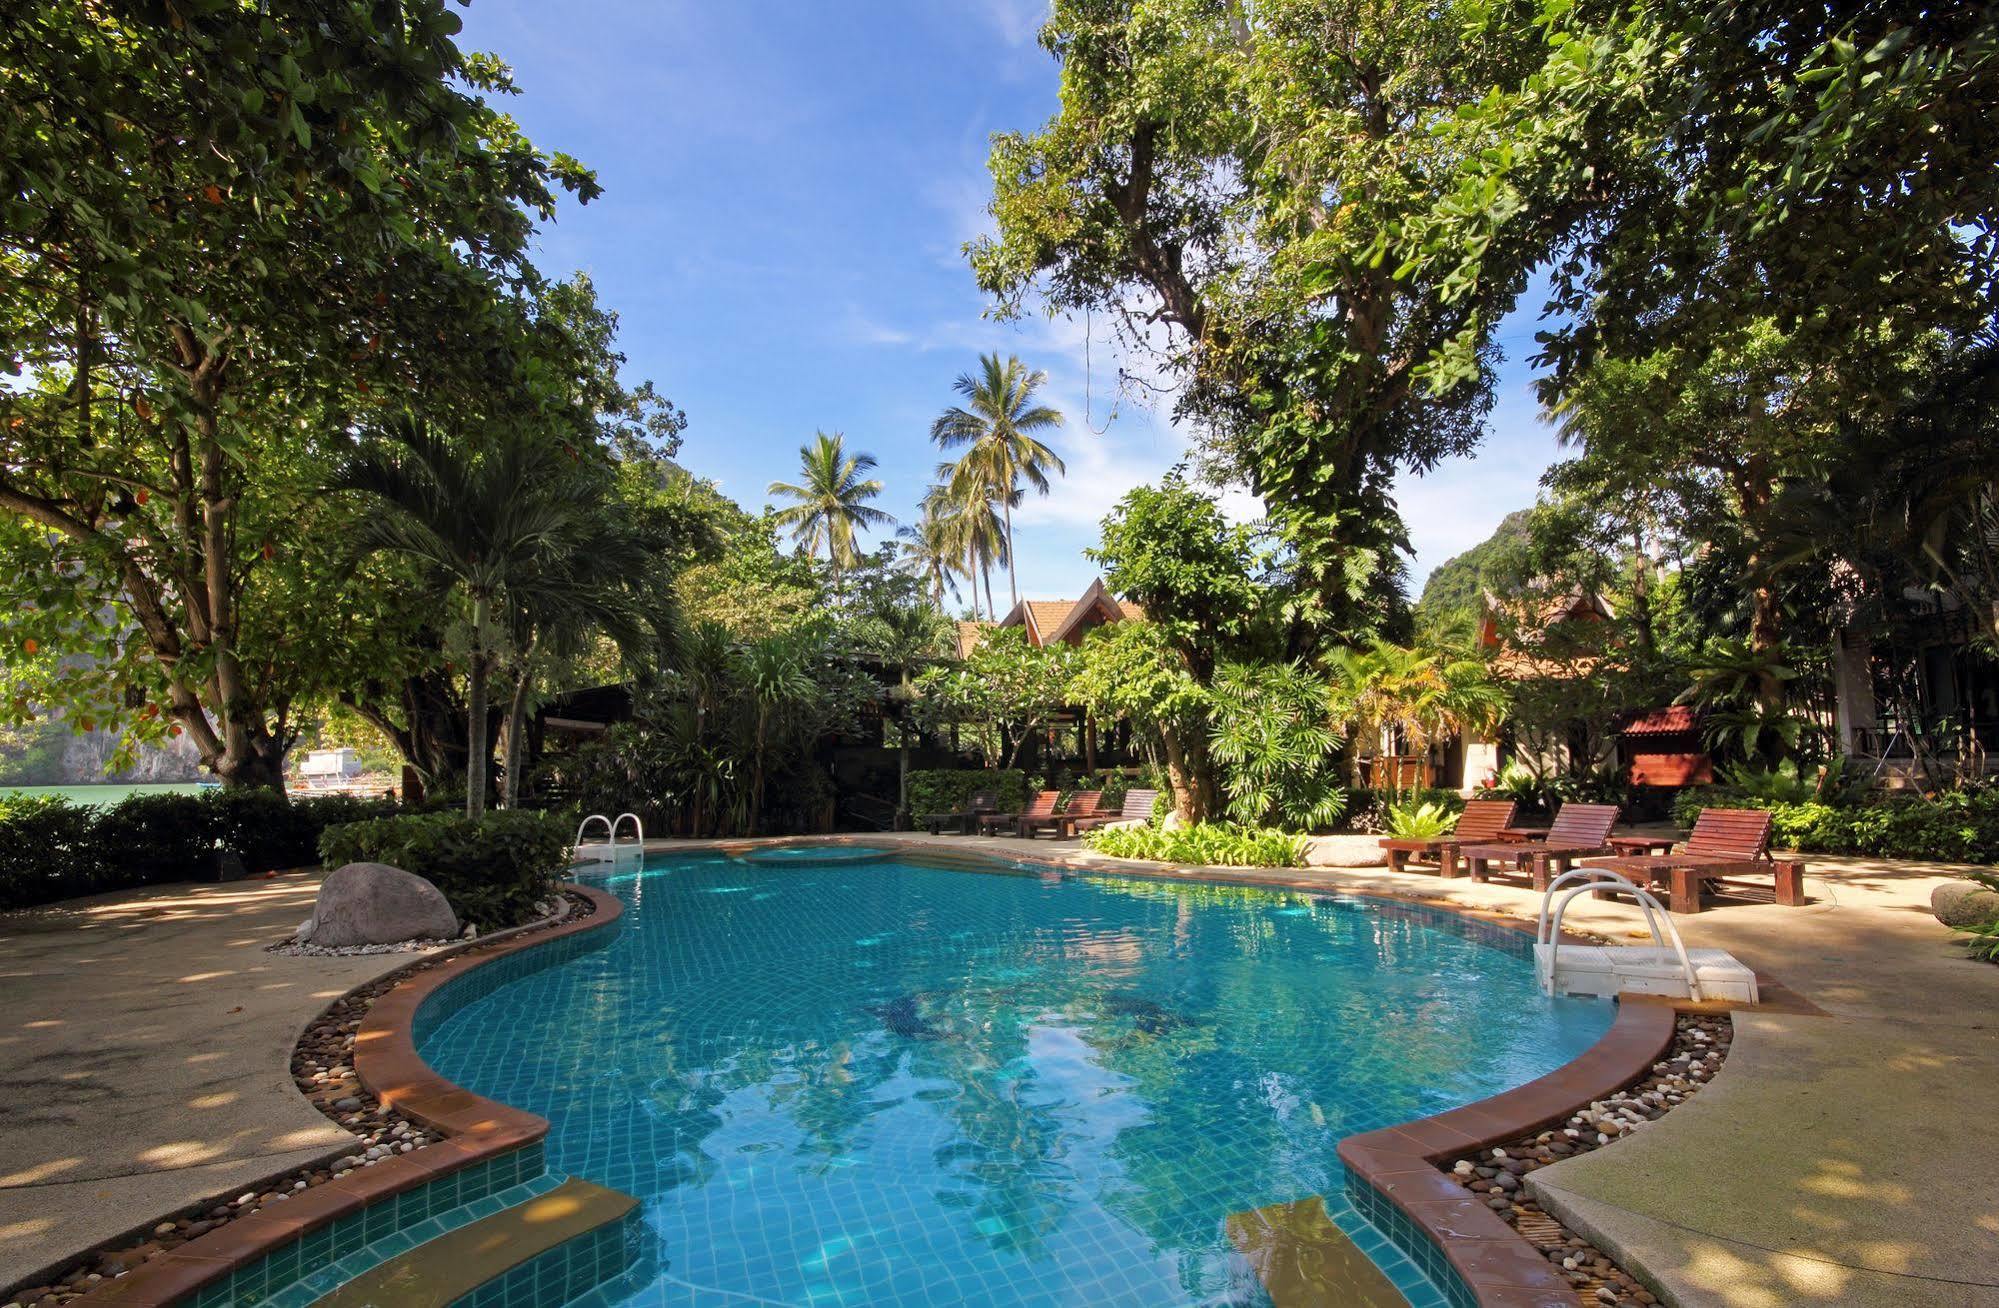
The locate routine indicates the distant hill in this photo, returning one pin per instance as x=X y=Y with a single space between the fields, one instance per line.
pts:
x=1453 y=595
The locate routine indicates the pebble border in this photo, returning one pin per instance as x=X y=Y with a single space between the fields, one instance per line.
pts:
x=1496 y=1175
x=208 y=1239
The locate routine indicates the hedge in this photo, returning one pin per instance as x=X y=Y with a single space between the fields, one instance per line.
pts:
x=52 y=849
x=946 y=790
x=1958 y=826
x=492 y=868
x=1207 y=844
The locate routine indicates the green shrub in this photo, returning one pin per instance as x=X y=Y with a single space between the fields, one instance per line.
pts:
x=48 y=851
x=1367 y=810
x=1207 y=844
x=946 y=790
x=153 y=838
x=1958 y=826
x=492 y=868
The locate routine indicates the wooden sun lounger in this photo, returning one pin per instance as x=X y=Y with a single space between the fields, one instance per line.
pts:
x=1479 y=824
x=1082 y=805
x=1135 y=811
x=1039 y=809
x=1579 y=831
x=964 y=819
x=1725 y=843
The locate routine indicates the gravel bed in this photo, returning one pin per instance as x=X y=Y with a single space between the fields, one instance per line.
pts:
x=323 y=1070
x=1494 y=1175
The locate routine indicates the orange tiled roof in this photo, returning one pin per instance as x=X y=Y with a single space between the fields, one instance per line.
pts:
x=969 y=635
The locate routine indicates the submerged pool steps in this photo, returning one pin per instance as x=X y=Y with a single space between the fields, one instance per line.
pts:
x=548 y=1249
x=1304 y=1260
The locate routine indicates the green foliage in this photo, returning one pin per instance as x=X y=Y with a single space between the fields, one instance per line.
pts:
x=1453 y=599
x=1005 y=691
x=492 y=868
x=830 y=502
x=995 y=431
x=1958 y=826
x=1203 y=844
x=1274 y=737
x=1367 y=808
x=51 y=849
x=1417 y=821
x=947 y=790
x=1981 y=941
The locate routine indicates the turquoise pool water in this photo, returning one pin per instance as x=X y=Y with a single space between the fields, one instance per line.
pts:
x=887 y=1084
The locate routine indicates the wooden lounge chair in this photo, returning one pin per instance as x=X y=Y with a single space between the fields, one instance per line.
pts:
x=1136 y=811
x=964 y=819
x=1579 y=831
x=1479 y=824
x=1082 y=806
x=1725 y=843
x=1039 y=809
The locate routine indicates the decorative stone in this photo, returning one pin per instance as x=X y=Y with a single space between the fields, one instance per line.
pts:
x=1344 y=850
x=375 y=904
x=1964 y=904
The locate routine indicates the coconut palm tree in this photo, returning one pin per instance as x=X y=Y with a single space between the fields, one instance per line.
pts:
x=928 y=553
x=974 y=530
x=482 y=518
x=831 y=501
x=995 y=428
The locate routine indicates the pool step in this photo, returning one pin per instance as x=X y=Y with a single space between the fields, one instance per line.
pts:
x=1303 y=1259
x=549 y=1249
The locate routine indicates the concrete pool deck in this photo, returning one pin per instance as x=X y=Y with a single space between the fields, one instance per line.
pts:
x=1842 y=1156
x=145 y=1056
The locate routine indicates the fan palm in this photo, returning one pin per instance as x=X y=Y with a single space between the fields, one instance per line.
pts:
x=831 y=501
x=995 y=428
x=482 y=519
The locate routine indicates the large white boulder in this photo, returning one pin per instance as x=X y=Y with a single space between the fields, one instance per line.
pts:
x=375 y=904
x=1344 y=849
x=1964 y=904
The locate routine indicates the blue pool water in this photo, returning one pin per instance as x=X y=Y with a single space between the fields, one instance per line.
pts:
x=886 y=1084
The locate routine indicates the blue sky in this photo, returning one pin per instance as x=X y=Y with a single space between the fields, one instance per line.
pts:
x=787 y=188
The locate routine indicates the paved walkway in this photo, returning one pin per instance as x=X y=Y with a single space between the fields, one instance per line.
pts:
x=145 y=1056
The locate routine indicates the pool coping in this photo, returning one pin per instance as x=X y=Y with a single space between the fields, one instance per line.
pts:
x=475 y=1128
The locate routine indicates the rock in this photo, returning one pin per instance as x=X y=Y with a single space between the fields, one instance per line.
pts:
x=1344 y=850
x=1964 y=904
x=375 y=904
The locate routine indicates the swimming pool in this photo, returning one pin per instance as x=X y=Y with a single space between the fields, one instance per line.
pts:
x=889 y=1084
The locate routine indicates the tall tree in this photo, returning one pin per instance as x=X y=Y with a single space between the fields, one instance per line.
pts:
x=971 y=520
x=831 y=502
x=508 y=514
x=1226 y=182
x=928 y=553
x=995 y=430
x=206 y=275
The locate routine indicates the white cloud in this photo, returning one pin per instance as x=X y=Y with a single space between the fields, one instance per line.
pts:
x=1017 y=21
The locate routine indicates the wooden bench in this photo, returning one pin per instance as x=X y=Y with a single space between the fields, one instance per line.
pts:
x=980 y=803
x=1579 y=831
x=1135 y=811
x=1725 y=844
x=1480 y=823
x=1082 y=804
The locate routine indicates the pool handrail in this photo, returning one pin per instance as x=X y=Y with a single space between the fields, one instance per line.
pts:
x=1548 y=929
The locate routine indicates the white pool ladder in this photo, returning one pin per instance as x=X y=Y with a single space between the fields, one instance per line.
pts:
x=610 y=849
x=1665 y=967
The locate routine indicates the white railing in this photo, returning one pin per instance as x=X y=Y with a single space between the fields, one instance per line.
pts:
x=610 y=849
x=1548 y=931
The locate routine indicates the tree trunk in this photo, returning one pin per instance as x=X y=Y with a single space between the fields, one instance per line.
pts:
x=1189 y=770
x=476 y=725
x=1012 y=559
x=516 y=724
x=991 y=612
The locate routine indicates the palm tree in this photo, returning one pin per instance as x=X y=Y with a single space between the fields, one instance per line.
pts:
x=831 y=501
x=928 y=553
x=995 y=428
x=483 y=519
x=974 y=531
x=1420 y=696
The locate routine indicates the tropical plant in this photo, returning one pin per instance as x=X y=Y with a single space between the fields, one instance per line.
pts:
x=1521 y=784
x=995 y=430
x=1204 y=844
x=1392 y=690
x=927 y=552
x=1006 y=690
x=902 y=636
x=777 y=675
x=831 y=501
x=1272 y=732
x=483 y=519
x=1419 y=821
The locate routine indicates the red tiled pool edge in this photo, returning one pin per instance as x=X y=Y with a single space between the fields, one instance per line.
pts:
x=1501 y=1269
x=386 y=1062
